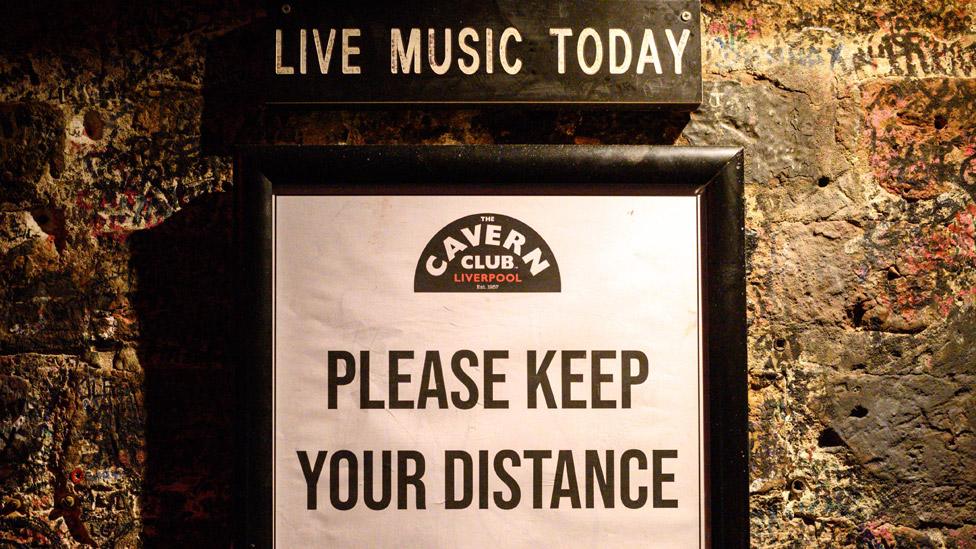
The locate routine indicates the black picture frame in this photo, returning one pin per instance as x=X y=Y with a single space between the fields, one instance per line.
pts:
x=715 y=174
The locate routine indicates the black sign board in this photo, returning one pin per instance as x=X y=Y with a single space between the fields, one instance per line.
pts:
x=592 y=52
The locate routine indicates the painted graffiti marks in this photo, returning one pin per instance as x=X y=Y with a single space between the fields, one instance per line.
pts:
x=741 y=45
x=41 y=311
x=147 y=179
x=71 y=450
x=115 y=420
x=749 y=42
x=914 y=54
x=943 y=256
x=919 y=135
x=941 y=17
x=908 y=54
x=918 y=268
x=110 y=451
x=37 y=389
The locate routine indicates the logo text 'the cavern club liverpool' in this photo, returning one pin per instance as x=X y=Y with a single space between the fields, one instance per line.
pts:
x=487 y=253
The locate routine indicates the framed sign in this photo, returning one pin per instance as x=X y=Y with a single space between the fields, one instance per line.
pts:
x=519 y=346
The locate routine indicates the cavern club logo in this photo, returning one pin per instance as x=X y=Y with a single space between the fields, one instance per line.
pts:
x=487 y=253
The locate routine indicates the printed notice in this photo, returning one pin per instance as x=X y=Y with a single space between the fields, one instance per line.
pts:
x=475 y=371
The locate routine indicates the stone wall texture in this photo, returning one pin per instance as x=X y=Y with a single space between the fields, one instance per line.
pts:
x=858 y=118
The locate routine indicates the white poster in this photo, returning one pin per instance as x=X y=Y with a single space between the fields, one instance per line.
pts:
x=487 y=371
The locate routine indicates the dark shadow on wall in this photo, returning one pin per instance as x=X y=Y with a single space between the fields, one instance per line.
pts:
x=183 y=300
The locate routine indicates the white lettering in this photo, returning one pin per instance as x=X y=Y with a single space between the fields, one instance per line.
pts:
x=473 y=235
x=648 y=53
x=677 y=49
x=560 y=35
x=323 y=59
x=537 y=263
x=619 y=35
x=436 y=270
x=489 y=55
x=463 y=36
x=509 y=33
x=514 y=242
x=302 y=52
x=279 y=67
x=452 y=247
x=408 y=59
x=439 y=68
x=589 y=34
x=493 y=235
x=349 y=50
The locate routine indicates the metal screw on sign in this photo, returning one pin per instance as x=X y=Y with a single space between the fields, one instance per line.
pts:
x=686 y=16
x=286 y=9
